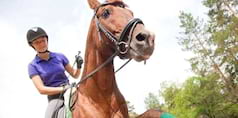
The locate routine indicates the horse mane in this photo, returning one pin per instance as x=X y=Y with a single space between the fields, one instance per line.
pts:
x=89 y=45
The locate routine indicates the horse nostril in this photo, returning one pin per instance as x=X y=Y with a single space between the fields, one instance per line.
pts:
x=141 y=37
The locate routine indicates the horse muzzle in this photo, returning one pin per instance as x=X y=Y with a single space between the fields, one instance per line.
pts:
x=142 y=44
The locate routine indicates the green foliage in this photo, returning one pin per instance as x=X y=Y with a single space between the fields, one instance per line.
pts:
x=200 y=96
x=168 y=92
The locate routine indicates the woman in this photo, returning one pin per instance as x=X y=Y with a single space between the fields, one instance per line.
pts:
x=47 y=71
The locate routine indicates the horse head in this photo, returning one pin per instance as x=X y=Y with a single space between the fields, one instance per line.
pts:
x=113 y=31
x=120 y=31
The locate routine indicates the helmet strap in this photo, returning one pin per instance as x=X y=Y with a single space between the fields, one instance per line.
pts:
x=44 y=51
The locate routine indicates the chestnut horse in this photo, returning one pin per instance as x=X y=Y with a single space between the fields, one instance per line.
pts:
x=113 y=32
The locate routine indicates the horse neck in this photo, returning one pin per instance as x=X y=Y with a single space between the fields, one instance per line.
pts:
x=104 y=79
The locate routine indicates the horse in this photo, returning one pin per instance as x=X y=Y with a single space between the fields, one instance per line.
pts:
x=113 y=32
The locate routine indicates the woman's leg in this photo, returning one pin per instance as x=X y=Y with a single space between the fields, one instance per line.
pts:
x=62 y=112
x=53 y=105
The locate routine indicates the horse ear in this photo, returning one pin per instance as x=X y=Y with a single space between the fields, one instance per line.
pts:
x=93 y=4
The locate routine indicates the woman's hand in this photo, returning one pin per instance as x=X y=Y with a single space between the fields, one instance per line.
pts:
x=79 y=61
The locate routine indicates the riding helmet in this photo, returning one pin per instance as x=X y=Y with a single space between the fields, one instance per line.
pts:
x=35 y=33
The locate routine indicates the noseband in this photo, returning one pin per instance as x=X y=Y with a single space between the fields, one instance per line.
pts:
x=123 y=42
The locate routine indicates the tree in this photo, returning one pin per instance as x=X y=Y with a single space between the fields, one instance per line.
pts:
x=131 y=109
x=164 y=101
x=215 y=48
x=152 y=101
x=214 y=44
x=224 y=22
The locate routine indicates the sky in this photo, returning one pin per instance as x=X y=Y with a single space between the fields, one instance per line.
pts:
x=66 y=23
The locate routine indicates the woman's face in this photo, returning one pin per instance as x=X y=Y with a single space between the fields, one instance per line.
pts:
x=40 y=44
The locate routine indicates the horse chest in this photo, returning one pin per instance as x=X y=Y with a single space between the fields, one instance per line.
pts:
x=101 y=107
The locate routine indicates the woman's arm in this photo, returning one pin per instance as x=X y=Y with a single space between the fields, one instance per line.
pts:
x=73 y=72
x=44 y=89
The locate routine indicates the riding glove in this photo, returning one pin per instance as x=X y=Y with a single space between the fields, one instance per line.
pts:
x=67 y=86
x=79 y=61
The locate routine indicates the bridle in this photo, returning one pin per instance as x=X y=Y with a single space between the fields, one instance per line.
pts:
x=122 y=44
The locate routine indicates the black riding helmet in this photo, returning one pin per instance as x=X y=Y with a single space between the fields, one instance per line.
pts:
x=35 y=33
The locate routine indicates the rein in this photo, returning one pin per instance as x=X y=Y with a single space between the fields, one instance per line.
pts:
x=97 y=69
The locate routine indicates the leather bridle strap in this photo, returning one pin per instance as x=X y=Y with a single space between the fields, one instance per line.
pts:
x=123 y=65
x=97 y=69
x=130 y=26
x=108 y=34
x=128 y=31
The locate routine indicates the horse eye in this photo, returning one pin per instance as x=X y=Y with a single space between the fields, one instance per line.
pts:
x=106 y=13
x=121 y=5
